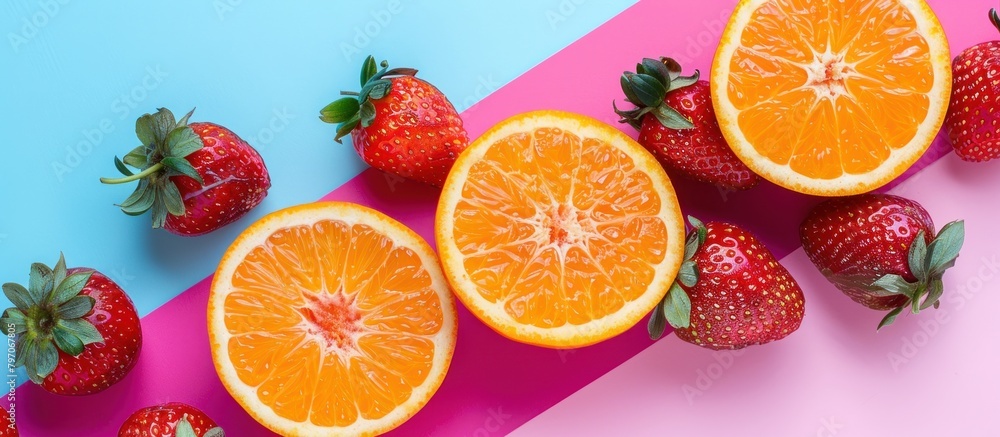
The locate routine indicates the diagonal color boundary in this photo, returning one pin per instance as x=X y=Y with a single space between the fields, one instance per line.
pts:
x=494 y=384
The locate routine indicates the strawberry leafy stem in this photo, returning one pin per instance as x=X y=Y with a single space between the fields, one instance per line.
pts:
x=48 y=317
x=357 y=107
x=675 y=307
x=928 y=263
x=646 y=89
x=166 y=144
x=184 y=429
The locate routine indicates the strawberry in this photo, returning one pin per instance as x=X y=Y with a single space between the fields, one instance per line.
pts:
x=173 y=419
x=195 y=178
x=400 y=124
x=881 y=251
x=676 y=122
x=77 y=332
x=972 y=125
x=730 y=292
x=7 y=426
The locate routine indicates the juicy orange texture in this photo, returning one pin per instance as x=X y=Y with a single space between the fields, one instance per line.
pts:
x=831 y=97
x=558 y=230
x=330 y=317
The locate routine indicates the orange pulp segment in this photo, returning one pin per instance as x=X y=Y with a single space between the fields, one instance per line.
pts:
x=558 y=230
x=330 y=318
x=831 y=97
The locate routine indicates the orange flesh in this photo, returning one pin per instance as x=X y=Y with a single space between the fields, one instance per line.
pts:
x=331 y=322
x=558 y=229
x=844 y=85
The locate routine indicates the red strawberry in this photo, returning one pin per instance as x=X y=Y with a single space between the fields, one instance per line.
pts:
x=77 y=331
x=173 y=419
x=730 y=293
x=881 y=251
x=400 y=124
x=195 y=178
x=972 y=124
x=676 y=122
x=7 y=426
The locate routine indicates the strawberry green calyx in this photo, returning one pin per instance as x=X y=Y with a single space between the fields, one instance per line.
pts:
x=675 y=308
x=357 y=106
x=927 y=262
x=166 y=144
x=47 y=317
x=647 y=87
x=184 y=429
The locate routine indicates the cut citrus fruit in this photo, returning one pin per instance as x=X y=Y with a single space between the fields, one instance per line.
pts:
x=330 y=318
x=831 y=97
x=558 y=230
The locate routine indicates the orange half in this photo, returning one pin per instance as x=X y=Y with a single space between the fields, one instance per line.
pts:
x=558 y=230
x=330 y=319
x=831 y=97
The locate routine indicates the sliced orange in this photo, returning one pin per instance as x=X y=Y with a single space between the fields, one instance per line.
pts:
x=558 y=230
x=831 y=97
x=330 y=319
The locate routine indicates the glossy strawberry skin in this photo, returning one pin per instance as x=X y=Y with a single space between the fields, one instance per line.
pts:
x=236 y=180
x=161 y=420
x=7 y=426
x=743 y=296
x=856 y=240
x=701 y=153
x=972 y=123
x=416 y=134
x=103 y=364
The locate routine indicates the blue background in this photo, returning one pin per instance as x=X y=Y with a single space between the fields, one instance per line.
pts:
x=76 y=75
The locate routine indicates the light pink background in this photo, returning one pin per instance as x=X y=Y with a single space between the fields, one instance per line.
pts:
x=834 y=367
x=933 y=374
